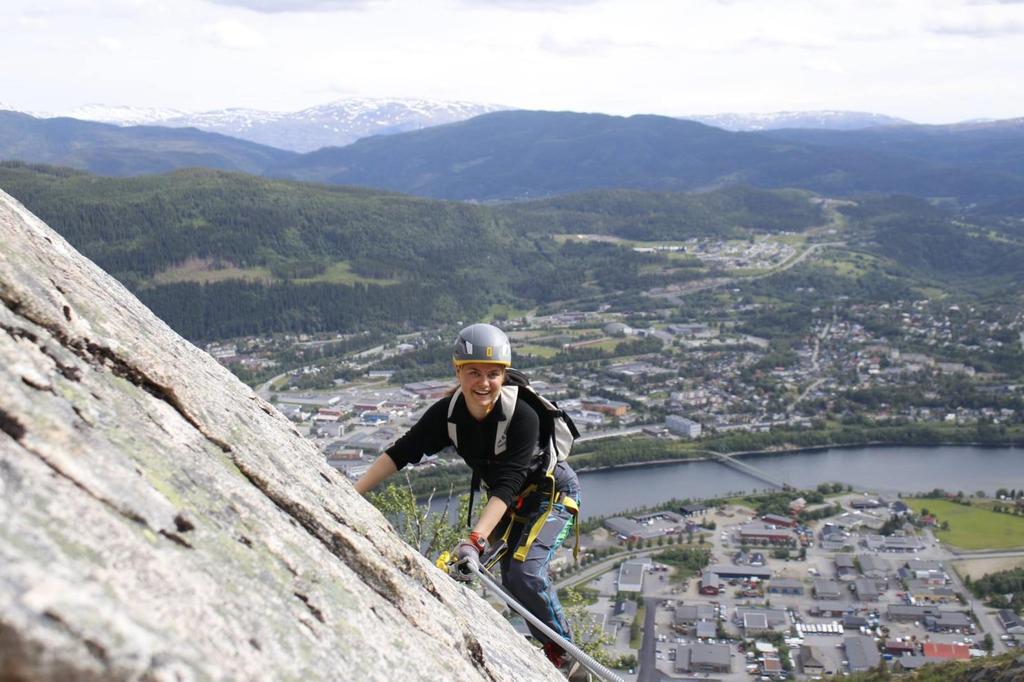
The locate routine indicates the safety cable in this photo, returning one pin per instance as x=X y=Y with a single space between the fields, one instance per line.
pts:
x=585 y=660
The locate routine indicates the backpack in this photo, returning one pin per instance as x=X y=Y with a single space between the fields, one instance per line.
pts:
x=557 y=430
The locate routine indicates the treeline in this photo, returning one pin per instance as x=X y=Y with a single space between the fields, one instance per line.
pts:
x=648 y=216
x=997 y=586
x=234 y=308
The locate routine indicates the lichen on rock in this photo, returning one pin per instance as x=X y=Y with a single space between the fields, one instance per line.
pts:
x=162 y=522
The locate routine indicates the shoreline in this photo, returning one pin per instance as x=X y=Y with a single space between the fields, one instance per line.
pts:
x=795 y=450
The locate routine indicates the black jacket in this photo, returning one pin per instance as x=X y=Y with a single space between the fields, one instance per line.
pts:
x=505 y=474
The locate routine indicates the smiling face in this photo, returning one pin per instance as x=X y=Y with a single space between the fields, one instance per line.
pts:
x=481 y=386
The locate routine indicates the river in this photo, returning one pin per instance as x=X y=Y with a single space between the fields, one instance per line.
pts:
x=887 y=469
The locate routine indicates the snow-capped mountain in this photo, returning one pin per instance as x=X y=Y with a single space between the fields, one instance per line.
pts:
x=328 y=125
x=820 y=120
x=123 y=115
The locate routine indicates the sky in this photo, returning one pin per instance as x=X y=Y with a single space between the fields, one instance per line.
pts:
x=928 y=61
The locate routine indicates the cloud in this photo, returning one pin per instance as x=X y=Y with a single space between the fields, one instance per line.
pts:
x=555 y=5
x=234 y=35
x=977 y=24
x=110 y=44
x=587 y=47
x=278 y=6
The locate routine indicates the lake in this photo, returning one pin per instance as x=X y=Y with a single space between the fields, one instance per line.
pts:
x=888 y=469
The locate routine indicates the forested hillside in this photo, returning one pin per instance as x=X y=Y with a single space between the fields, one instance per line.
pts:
x=117 y=151
x=218 y=254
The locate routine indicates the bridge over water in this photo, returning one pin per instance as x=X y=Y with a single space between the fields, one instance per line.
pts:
x=748 y=469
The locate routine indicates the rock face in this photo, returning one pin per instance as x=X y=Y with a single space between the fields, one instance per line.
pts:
x=162 y=522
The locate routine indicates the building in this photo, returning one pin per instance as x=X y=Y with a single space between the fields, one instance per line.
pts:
x=1011 y=622
x=907 y=613
x=710 y=583
x=428 y=390
x=755 y=624
x=767 y=618
x=612 y=408
x=693 y=508
x=308 y=400
x=949 y=621
x=924 y=592
x=771 y=666
x=688 y=615
x=703 y=658
x=893 y=543
x=645 y=527
x=812 y=662
x=846 y=568
x=760 y=534
x=946 y=652
x=681 y=426
x=866 y=589
x=779 y=521
x=631 y=575
x=790 y=586
x=624 y=614
x=827 y=589
x=706 y=629
x=854 y=622
x=928 y=571
x=873 y=566
x=726 y=572
x=861 y=653
x=891 y=646
x=865 y=503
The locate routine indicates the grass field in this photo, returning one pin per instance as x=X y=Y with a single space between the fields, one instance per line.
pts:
x=973 y=527
x=341 y=273
x=202 y=270
x=537 y=351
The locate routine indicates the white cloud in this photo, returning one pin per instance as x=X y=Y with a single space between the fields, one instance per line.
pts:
x=584 y=47
x=234 y=35
x=979 y=22
x=277 y=6
x=111 y=44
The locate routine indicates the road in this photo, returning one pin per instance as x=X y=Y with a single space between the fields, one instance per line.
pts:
x=646 y=670
x=616 y=433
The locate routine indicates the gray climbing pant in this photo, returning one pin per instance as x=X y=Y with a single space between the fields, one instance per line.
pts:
x=528 y=580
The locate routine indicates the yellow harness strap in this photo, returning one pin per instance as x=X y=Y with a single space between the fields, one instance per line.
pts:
x=556 y=497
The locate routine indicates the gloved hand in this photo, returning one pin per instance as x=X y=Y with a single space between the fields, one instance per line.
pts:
x=467 y=556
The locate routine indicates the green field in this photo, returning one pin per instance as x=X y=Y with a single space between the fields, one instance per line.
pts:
x=537 y=351
x=340 y=272
x=973 y=527
x=203 y=271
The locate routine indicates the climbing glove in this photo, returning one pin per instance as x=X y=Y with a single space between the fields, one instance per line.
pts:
x=467 y=556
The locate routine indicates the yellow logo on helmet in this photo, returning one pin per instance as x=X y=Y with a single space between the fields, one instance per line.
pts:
x=490 y=351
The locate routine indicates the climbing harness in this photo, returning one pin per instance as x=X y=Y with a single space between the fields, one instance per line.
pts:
x=584 y=659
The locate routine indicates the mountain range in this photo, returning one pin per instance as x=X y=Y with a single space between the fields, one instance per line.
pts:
x=815 y=120
x=335 y=124
x=514 y=155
